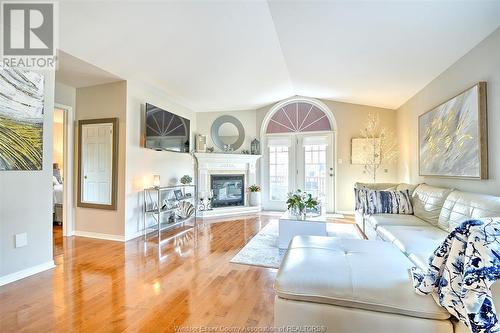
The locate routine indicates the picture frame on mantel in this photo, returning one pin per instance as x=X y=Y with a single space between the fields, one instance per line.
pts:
x=453 y=137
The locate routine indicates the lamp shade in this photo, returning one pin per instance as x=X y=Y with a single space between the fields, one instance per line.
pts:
x=156 y=180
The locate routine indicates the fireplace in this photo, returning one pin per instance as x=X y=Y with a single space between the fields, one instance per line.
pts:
x=224 y=166
x=229 y=190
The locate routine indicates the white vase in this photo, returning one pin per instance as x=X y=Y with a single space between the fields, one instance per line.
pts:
x=254 y=198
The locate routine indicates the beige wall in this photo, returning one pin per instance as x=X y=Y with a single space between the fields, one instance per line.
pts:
x=104 y=101
x=26 y=204
x=482 y=63
x=58 y=139
x=136 y=164
x=350 y=119
x=204 y=122
x=65 y=95
x=143 y=163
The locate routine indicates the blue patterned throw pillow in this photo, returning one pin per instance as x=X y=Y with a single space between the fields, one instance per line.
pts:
x=360 y=199
x=388 y=202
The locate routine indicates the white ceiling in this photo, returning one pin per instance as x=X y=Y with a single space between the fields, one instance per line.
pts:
x=78 y=73
x=231 y=55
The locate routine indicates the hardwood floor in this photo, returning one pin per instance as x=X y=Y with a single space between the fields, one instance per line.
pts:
x=105 y=286
x=58 y=247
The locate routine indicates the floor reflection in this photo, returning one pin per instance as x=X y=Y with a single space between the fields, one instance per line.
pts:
x=145 y=285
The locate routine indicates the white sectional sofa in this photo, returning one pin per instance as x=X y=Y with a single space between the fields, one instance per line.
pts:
x=365 y=286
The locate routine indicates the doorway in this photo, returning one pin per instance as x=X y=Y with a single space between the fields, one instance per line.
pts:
x=302 y=161
x=62 y=180
x=58 y=178
x=298 y=153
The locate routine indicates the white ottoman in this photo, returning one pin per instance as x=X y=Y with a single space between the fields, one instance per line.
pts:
x=352 y=286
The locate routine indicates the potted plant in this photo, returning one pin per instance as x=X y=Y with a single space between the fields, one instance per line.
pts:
x=186 y=179
x=254 y=195
x=298 y=202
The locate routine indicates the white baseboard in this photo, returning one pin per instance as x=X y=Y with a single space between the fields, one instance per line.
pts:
x=229 y=211
x=26 y=272
x=134 y=235
x=116 y=238
x=346 y=212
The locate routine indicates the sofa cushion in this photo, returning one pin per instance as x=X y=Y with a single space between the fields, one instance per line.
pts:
x=420 y=259
x=394 y=219
x=413 y=239
x=428 y=201
x=351 y=273
x=460 y=206
x=376 y=186
x=403 y=186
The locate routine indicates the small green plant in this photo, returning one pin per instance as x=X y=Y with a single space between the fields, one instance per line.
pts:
x=298 y=201
x=254 y=188
x=186 y=179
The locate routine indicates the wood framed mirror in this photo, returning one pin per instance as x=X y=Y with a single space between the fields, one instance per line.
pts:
x=97 y=163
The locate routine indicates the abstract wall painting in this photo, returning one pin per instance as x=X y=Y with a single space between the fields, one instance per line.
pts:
x=21 y=119
x=453 y=137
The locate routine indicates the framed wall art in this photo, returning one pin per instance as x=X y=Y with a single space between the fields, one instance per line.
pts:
x=452 y=137
x=21 y=119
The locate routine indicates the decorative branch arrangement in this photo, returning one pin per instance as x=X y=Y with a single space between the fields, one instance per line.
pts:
x=380 y=145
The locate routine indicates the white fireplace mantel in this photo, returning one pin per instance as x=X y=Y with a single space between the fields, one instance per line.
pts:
x=229 y=158
x=226 y=163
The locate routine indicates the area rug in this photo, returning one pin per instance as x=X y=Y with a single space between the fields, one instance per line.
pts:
x=262 y=249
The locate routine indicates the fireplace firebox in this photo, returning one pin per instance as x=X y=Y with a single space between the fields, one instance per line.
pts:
x=229 y=190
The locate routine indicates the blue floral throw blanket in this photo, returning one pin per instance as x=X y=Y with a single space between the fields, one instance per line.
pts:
x=461 y=272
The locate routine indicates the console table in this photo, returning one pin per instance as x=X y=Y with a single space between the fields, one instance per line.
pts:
x=162 y=203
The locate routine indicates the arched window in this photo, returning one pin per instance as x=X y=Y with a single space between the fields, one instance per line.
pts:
x=298 y=117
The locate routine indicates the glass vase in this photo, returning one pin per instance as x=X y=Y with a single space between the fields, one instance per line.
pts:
x=297 y=213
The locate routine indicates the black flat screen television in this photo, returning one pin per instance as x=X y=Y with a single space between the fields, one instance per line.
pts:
x=166 y=131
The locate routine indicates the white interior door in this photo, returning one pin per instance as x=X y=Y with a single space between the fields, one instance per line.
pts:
x=97 y=143
x=299 y=161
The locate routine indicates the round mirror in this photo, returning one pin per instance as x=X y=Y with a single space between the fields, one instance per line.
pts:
x=228 y=133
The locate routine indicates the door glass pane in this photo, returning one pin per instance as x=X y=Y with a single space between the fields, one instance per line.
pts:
x=308 y=157
x=315 y=172
x=278 y=173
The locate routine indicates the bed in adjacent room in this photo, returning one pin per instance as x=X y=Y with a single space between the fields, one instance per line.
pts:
x=58 y=200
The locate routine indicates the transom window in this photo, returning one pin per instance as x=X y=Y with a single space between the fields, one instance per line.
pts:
x=298 y=117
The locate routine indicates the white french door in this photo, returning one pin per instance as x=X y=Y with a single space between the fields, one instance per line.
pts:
x=299 y=161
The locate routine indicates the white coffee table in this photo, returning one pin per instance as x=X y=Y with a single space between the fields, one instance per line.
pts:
x=290 y=226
